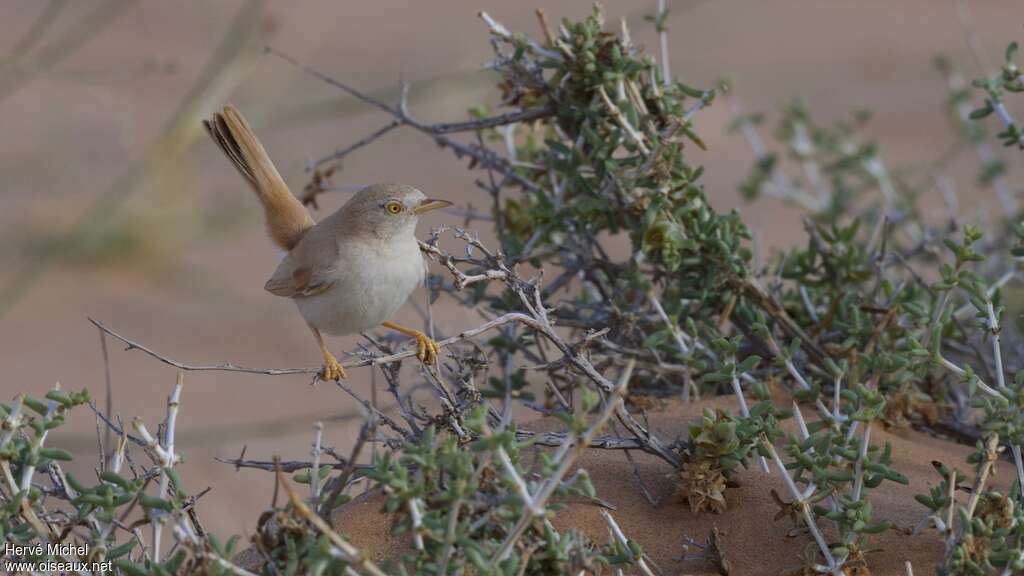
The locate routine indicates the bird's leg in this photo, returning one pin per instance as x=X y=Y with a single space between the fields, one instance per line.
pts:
x=332 y=370
x=427 y=349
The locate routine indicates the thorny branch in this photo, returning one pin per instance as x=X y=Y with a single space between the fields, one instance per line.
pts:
x=485 y=265
x=480 y=155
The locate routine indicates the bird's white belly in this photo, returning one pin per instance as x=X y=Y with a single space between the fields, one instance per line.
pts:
x=372 y=285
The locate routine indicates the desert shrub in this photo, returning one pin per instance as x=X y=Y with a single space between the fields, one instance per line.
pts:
x=1009 y=80
x=866 y=325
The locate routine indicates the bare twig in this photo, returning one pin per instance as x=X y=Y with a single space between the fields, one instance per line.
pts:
x=109 y=399
x=289 y=466
x=375 y=361
x=483 y=156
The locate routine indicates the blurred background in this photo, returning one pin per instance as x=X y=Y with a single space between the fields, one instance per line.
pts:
x=114 y=204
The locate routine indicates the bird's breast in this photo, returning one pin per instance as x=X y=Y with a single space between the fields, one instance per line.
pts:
x=373 y=282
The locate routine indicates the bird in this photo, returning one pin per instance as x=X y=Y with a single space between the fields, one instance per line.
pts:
x=349 y=272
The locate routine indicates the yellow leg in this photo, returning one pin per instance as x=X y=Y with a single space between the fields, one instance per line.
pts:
x=427 y=349
x=332 y=370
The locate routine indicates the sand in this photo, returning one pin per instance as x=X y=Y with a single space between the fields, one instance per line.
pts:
x=751 y=540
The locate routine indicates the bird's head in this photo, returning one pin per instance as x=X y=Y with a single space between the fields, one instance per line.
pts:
x=388 y=210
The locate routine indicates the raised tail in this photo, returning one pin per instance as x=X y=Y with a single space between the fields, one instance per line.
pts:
x=287 y=219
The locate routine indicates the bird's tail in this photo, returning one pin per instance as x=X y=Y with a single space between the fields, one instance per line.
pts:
x=287 y=219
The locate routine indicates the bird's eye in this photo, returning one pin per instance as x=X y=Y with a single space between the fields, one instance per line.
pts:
x=393 y=207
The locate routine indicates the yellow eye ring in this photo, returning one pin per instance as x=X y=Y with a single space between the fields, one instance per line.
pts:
x=393 y=207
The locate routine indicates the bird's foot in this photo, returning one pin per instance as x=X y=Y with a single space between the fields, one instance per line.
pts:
x=427 y=349
x=332 y=369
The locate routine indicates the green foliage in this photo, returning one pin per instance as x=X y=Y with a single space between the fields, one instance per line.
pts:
x=1009 y=80
x=463 y=498
x=617 y=145
x=93 y=510
x=719 y=445
x=986 y=534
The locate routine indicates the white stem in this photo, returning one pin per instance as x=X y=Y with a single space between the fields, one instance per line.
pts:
x=800 y=422
x=1006 y=118
x=1002 y=281
x=780 y=186
x=417 y=523
x=122 y=444
x=29 y=471
x=997 y=355
x=858 y=466
x=677 y=333
x=995 y=329
x=509 y=135
x=951 y=494
x=806 y=298
x=984 y=150
x=566 y=456
x=738 y=391
x=804 y=149
x=12 y=422
x=499 y=30
x=739 y=395
x=158 y=524
x=791 y=368
x=960 y=372
x=172 y=419
x=169 y=459
x=636 y=136
x=991 y=454
x=949 y=197
x=517 y=479
x=666 y=70
x=678 y=336
x=621 y=538
x=939 y=310
x=836 y=396
x=314 y=474
x=1019 y=462
x=877 y=169
x=801 y=501
x=800 y=380
x=804 y=435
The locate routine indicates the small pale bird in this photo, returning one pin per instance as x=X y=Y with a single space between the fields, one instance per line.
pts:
x=351 y=271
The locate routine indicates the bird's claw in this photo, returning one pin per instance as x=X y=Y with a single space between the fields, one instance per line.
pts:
x=332 y=370
x=427 y=349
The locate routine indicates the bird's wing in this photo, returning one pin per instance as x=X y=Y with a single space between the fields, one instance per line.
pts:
x=309 y=269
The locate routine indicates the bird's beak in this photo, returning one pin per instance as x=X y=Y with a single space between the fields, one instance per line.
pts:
x=428 y=204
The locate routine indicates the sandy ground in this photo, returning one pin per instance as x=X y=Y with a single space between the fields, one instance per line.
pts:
x=751 y=538
x=76 y=121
